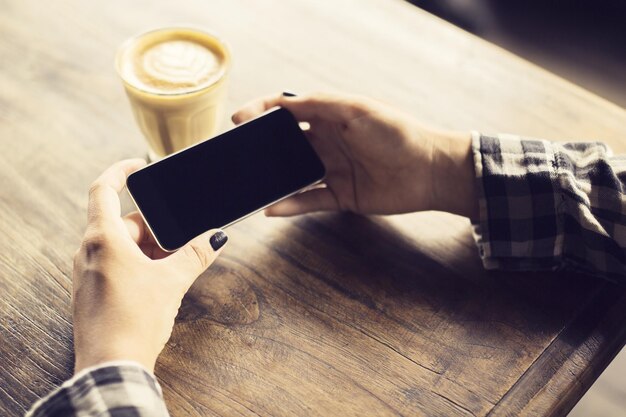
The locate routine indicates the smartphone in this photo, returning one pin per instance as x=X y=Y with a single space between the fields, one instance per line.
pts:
x=217 y=182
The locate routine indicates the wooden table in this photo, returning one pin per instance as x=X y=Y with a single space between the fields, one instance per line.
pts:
x=330 y=314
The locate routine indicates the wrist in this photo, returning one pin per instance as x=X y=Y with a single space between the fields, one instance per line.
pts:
x=93 y=356
x=454 y=182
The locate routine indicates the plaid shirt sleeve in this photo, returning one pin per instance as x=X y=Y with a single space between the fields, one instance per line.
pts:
x=545 y=205
x=115 y=389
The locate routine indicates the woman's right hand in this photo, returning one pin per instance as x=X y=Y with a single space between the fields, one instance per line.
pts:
x=378 y=159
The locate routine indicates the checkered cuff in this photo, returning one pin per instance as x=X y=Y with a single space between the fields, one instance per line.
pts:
x=546 y=205
x=121 y=388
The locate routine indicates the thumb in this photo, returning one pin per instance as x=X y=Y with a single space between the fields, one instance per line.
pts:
x=198 y=254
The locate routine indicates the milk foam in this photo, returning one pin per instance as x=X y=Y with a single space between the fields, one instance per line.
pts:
x=175 y=66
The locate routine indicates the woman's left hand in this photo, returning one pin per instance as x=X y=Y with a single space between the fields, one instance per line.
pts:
x=126 y=290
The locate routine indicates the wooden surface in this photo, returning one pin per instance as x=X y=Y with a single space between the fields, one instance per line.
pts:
x=329 y=314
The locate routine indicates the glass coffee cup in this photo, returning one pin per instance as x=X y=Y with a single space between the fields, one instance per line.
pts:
x=176 y=81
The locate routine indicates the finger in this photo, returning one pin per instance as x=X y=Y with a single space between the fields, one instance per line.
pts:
x=317 y=199
x=136 y=227
x=336 y=108
x=153 y=251
x=197 y=255
x=256 y=107
x=141 y=234
x=104 y=201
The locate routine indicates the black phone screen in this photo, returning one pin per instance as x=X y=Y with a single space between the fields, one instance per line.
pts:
x=221 y=180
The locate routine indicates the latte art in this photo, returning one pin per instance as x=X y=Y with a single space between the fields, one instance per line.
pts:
x=177 y=66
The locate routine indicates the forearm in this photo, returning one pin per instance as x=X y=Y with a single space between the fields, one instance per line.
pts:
x=454 y=184
x=535 y=204
x=544 y=205
x=114 y=388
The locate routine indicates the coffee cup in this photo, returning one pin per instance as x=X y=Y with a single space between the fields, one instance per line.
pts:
x=176 y=82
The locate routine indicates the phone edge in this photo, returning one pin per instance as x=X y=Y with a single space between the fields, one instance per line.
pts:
x=156 y=239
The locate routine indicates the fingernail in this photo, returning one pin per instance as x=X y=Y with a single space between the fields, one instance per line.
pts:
x=218 y=240
x=289 y=94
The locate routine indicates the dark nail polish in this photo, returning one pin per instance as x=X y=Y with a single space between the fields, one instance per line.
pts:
x=218 y=240
x=289 y=94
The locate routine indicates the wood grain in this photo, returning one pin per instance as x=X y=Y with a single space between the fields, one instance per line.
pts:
x=329 y=314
